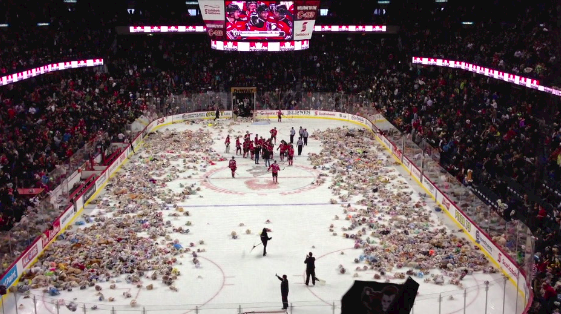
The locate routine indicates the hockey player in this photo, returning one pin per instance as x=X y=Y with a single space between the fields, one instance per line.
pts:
x=247 y=135
x=238 y=146
x=283 y=147
x=245 y=147
x=233 y=166
x=279 y=116
x=281 y=22
x=258 y=21
x=275 y=170
x=234 y=22
x=290 y=155
x=251 y=8
x=227 y=143
x=274 y=134
x=251 y=150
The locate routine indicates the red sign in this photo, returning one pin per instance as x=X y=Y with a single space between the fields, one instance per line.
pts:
x=49 y=235
x=30 y=255
x=306 y=10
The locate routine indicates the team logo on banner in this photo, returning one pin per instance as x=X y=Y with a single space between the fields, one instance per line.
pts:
x=258 y=46
x=230 y=46
x=287 y=46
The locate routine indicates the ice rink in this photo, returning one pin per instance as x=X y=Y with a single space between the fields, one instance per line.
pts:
x=232 y=276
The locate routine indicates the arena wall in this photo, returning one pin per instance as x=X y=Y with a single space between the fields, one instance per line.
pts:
x=495 y=254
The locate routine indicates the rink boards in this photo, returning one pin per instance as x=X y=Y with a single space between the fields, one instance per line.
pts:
x=495 y=254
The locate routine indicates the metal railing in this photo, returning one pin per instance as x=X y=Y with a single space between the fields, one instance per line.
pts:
x=490 y=297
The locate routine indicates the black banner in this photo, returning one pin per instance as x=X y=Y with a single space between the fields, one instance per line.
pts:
x=89 y=192
x=371 y=297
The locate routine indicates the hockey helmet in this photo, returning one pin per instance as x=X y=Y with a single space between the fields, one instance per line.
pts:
x=231 y=8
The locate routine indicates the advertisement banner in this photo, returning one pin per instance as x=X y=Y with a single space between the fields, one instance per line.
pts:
x=215 y=29
x=258 y=46
x=484 y=242
x=101 y=179
x=30 y=255
x=294 y=113
x=68 y=214
x=407 y=164
x=430 y=187
x=386 y=141
x=460 y=217
x=306 y=11
x=212 y=10
x=89 y=192
x=357 y=118
x=303 y=29
x=113 y=167
x=80 y=203
x=287 y=46
x=50 y=234
x=194 y=115
x=325 y=114
x=10 y=277
x=415 y=172
x=343 y=116
x=507 y=265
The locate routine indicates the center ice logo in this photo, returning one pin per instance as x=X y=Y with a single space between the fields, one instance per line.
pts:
x=261 y=184
x=257 y=171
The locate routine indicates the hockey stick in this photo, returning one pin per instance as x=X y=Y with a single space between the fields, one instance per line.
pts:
x=256 y=245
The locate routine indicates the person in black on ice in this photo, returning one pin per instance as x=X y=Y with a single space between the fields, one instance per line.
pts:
x=284 y=291
x=217 y=114
x=257 y=153
x=264 y=239
x=310 y=269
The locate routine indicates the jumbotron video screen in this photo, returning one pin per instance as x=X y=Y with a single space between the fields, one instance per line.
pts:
x=259 y=20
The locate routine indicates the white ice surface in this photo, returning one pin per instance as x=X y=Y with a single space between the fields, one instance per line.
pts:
x=232 y=275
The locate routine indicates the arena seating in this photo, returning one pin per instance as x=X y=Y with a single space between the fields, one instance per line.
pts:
x=508 y=135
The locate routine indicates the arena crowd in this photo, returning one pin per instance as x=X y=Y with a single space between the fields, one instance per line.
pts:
x=508 y=136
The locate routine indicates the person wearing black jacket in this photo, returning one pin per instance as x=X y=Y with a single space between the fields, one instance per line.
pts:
x=266 y=156
x=284 y=291
x=310 y=269
x=264 y=239
x=257 y=152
